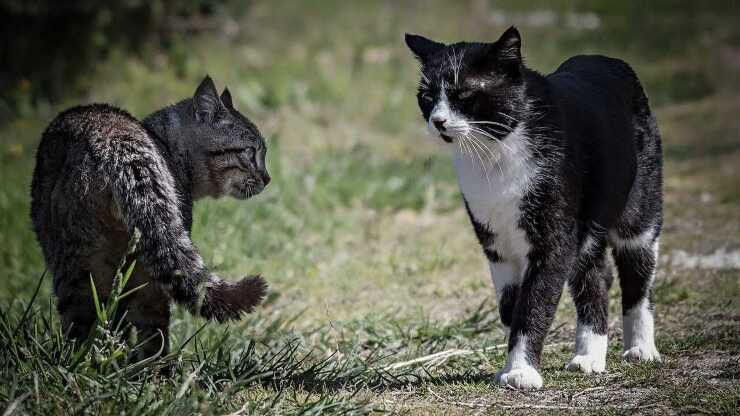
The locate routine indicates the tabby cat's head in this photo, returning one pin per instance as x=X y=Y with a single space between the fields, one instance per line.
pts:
x=229 y=148
x=470 y=88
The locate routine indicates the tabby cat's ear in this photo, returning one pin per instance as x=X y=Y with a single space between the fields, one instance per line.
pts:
x=226 y=99
x=206 y=102
x=421 y=46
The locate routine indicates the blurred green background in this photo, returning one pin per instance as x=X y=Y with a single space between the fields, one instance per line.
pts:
x=363 y=217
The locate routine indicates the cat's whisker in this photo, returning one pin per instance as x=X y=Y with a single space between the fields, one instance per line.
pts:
x=489 y=135
x=489 y=152
x=477 y=146
x=490 y=157
x=460 y=147
x=509 y=117
x=466 y=145
x=507 y=130
x=507 y=127
x=459 y=65
x=463 y=146
x=469 y=147
x=453 y=65
x=475 y=151
x=493 y=155
x=489 y=122
x=467 y=139
x=485 y=133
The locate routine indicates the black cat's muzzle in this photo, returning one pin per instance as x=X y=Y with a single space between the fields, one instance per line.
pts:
x=441 y=128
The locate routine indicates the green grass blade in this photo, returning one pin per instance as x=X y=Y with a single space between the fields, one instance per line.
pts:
x=99 y=308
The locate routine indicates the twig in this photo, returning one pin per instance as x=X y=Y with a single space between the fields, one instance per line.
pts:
x=439 y=358
x=499 y=405
x=16 y=402
x=508 y=405
x=588 y=390
x=241 y=411
x=539 y=406
x=188 y=381
x=468 y=404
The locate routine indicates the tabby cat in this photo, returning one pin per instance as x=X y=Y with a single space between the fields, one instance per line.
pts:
x=101 y=174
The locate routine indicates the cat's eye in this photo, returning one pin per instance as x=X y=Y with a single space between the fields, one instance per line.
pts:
x=246 y=157
x=222 y=123
x=465 y=94
x=249 y=152
x=427 y=96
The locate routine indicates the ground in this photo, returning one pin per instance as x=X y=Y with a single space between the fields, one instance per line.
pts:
x=362 y=234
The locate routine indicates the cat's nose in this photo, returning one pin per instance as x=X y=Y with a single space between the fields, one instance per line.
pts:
x=265 y=178
x=439 y=122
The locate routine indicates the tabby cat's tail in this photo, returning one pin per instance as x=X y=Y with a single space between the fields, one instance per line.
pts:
x=145 y=196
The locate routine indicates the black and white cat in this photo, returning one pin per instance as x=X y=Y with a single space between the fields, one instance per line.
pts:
x=553 y=170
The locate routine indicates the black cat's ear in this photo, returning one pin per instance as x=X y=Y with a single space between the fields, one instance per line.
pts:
x=509 y=45
x=226 y=98
x=503 y=56
x=421 y=46
x=206 y=102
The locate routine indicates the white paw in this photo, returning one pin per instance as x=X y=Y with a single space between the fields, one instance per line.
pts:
x=523 y=378
x=642 y=353
x=587 y=364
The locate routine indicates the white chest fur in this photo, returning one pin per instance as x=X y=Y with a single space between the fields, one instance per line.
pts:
x=494 y=191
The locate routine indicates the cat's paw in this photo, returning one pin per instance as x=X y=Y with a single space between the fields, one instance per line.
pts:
x=587 y=363
x=642 y=353
x=229 y=301
x=522 y=378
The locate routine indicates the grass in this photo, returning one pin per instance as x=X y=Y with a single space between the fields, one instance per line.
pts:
x=362 y=235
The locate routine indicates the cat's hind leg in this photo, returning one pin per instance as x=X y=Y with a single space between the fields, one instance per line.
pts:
x=75 y=302
x=148 y=311
x=635 y=238
x=636 y=259
x=589 y=286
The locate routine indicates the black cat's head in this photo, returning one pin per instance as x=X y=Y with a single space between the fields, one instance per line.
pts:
x=230 y=148
x=470 y=88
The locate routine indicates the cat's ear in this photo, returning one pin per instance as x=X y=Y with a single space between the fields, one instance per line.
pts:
x=421 y=46
x=226 y=99
x=509 y=46
x=503 y=56
x=206 y=102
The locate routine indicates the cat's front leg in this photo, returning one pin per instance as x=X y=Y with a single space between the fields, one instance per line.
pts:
x=534 y=311
x=506 y=278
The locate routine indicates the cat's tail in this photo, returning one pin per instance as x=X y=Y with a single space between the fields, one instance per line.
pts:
x=145 y=196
